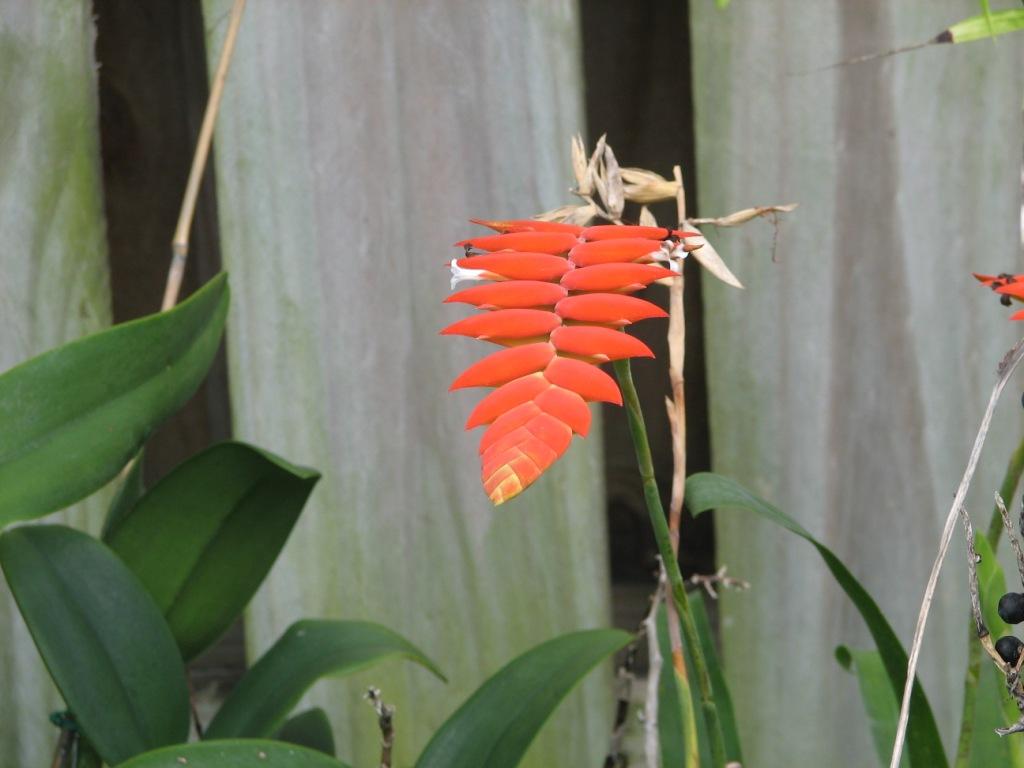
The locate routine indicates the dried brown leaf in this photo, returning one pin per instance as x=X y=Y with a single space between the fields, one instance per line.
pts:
x=711 y=261
x=747 y=214
x=654 y=192
x=615 y=198
x=579 y=164
x=559 y=214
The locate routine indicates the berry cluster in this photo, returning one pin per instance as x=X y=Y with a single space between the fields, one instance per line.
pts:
x=555 y=295
x=1011 y=610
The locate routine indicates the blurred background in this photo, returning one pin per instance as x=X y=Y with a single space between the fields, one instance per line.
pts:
x=845 y=383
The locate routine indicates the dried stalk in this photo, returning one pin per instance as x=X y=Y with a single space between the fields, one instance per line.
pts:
x=179 y=246
x=386 y=722
x=1014 y=541
x=708 y=581
x=1006 y=367
x=624 y=679
x=652 y=744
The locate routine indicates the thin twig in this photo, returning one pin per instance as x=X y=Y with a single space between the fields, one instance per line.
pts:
x=972 y=575
x=707 y=581
x=179 y=246
x=1006 y=367
x=652 y=744
x=386 y=722
x=1010 y=535
x=61 y=752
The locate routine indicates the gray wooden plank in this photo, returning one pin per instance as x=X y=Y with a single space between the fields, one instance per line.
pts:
x=847 y=382
x=355 y=141
x=54 y=284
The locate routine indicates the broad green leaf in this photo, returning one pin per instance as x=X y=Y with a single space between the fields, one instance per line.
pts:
x=876 y=692
x=722 y=3
x=234 y=753
x=205 y=536
x=308 y=650
x=496 y=725
x=309 y=729
x=74 y=416
x=706 y=490
x=102 y=638
x=984 y=25
x=131 y=490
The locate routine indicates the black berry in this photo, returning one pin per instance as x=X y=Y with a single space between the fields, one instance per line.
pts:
x=1011 y=608
x=1005 y=300
x=1009 y=648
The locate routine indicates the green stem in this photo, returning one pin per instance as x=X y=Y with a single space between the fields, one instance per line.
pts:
x=638 y=431
x=1014 y=470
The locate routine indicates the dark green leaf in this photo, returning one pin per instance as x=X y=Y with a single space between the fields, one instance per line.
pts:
x=131 y=490
x=720 y=689
x=234 y=753
x=705 y=491
x=496 y=725
x=309 y=650
x=205 y=536
x=678 y=703
x=74 y=416
x=876 y=693
x=103 y=639
x=308 y=729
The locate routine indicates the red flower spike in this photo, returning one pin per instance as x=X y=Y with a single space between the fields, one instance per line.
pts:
x=543 y=386
x=504 y=366
x=616 y=232
x=506 y=397
x=624 y=250
x=602 y=344
x=506 y=324
x=1019 y=315
x=510 y=294
x=510 y=265
x=528 y=225
x=554 y=243
x=586 y=380
x=567 y=407
x=624 y=278
x=508 y=422
x=1014 y=289
x=607 y=309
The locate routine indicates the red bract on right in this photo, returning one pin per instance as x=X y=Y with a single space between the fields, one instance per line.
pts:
x=1009 y=287
x=557 y=297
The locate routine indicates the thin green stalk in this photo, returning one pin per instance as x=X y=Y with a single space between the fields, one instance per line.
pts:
x=1014 y=470
x=652 y=497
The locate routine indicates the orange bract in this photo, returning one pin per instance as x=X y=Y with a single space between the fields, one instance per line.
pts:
x=1009 y=287
x=558 y=303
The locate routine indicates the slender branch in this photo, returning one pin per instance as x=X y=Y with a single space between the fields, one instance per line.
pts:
x=61 y=752
x=652 y=744
x=1014 y=542
x=638 y=432
x=179 y=246
x=624 y=679
x=386 y=722
x=1006 y=367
